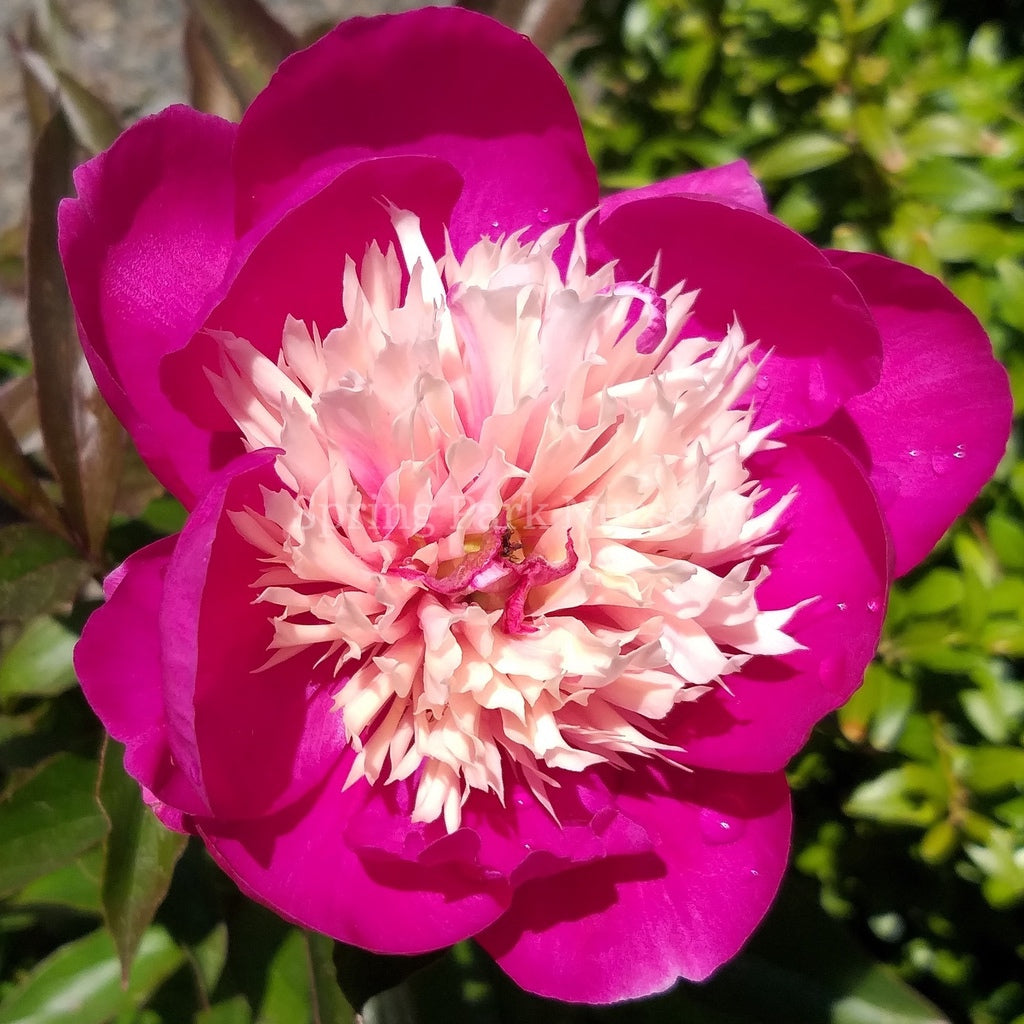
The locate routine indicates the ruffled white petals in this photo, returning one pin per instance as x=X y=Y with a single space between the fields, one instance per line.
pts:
x=516 y=516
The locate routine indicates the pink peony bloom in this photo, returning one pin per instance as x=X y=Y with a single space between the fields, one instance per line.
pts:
x=529 y=534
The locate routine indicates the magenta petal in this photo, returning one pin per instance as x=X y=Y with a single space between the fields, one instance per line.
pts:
x=488 y=102
x=823 y=345
x=516 y=841
x=935 y=426
x=252 y=740
x=732 y=184
x=143 y=245
x=629 y=927
x=299 y=864
x=118 y=664
x=834 y=549
x=296 y=268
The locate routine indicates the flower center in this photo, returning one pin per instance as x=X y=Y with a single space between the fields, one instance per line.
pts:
x=515 y=513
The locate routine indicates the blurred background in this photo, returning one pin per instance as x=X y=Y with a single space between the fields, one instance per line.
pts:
x=886 y=125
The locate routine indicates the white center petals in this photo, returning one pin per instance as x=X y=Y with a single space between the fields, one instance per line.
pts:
x=517 y=520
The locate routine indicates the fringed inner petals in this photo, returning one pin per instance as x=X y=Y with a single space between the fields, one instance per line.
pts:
x=516 y=515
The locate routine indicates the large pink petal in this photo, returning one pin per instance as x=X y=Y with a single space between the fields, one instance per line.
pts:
x=823 y=345
x=629 y=927
x=118 y=664
x=516 y=841
x=935 y=426
x=834 y=549
x=251 y=740
x=299 y=863
x=732 y=184
x=144 y=244
x=296 y=268
x=433 y=82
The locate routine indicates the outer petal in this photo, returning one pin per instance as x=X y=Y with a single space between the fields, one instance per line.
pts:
x=296 y=268
x=628 y=927
x=118 y=664
x=144 y=244
x=834 y=549
x=299 y=863
x=934 y=427
x=250 y=740
x=514 y=841
x=731 y=184
x=497 y=111
x=824 y=347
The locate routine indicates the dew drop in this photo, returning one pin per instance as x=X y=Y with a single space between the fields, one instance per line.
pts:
x=755 y=873
x=718 y=828
x=527 y=846
x=959 y=453
x=495 y=224
x=833 y=672
x=913 y=453
x=544 y=216
x=762 y=383
x=842 y=606
x=873 y=604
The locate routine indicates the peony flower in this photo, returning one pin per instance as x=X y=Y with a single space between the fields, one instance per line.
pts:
x=529 y=534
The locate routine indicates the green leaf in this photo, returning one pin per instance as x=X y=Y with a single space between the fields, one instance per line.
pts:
x=208 y=957
x=39 y=572
x=48 y=820
x=81 y=981
x=990 y=769
x=84 y=441
x=803 y=966
x=92 y=121
x=799 y=153
x=284 y=981
x=957 y=240
x=231 y=1011
x=245 y=41
x=878 y=137
x=912 y=794
x=939 y=591
x=944 y=135
x=76 y=886
x=329 y=1003
x=955 y=186
x=1011 y=296
x=38 y=663
x=140 y=856
x=878 y=710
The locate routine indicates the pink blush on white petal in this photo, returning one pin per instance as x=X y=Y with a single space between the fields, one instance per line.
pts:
x=516 y=515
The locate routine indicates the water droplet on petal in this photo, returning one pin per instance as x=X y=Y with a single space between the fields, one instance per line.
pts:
x=833 y=672
x=719 y=828
x=913 y=453
x=873 y=604
x=842 y=606
x=527 y=846
x=544 y=216
x=755 y=873
x=761 y=383
x=495 y=224
x=960 y=452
